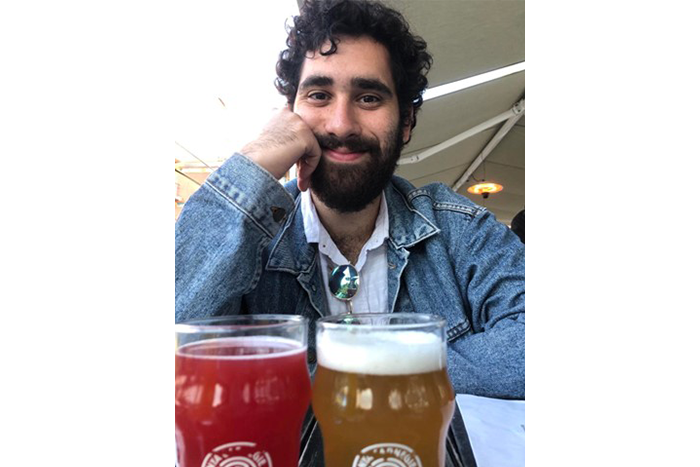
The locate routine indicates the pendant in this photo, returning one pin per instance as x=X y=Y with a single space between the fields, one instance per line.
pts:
x=344 y=282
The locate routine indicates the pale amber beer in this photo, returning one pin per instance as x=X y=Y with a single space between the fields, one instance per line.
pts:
x=381 y=392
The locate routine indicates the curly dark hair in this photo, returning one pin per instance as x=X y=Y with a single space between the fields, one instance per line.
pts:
x=324 y=20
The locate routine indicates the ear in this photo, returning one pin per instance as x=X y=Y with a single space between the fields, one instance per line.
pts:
x=407 y=127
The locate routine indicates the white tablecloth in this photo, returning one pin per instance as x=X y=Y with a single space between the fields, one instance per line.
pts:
x=496 y=430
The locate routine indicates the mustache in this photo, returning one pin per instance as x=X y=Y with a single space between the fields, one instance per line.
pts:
x=352 y=143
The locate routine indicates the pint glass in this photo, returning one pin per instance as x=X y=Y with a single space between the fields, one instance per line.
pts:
x=381 y=392
x=241 y=391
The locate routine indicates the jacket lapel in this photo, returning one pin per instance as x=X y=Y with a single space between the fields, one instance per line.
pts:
x=292 y=254
x=407 y=227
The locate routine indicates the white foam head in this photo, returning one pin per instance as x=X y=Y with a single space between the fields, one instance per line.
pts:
x=381 y=352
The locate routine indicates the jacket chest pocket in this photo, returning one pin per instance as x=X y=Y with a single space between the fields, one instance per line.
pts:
x=435 y=295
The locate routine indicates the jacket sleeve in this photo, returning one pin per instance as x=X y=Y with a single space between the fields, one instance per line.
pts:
x=220 y=236
x=491 y=361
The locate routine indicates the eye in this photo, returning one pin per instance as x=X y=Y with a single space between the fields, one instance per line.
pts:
x=370 y=99
x=318 y=96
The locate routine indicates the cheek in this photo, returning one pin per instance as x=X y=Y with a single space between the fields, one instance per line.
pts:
x=388 y=133
x=310 y=116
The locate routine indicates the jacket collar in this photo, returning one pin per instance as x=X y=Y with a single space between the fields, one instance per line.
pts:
x=407 y=227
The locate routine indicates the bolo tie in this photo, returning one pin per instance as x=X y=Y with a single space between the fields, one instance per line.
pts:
x=344 y=283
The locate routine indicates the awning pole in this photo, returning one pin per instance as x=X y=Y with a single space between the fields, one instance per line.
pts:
x=517 y=109
x=491 y=144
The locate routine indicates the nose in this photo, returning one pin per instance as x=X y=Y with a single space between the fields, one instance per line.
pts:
x=341 y=120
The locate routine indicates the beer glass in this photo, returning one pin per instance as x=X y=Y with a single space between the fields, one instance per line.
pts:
x=242 y=389
x=381 y=393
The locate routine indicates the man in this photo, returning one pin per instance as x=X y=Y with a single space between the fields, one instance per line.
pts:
x=353 y=76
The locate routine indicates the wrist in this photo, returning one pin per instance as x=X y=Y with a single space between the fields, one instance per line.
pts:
x=266 y=163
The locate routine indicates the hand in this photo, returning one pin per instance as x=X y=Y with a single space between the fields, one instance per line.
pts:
x=285 y=140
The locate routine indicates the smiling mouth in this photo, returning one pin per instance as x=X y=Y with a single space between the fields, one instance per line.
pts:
x=343 y=155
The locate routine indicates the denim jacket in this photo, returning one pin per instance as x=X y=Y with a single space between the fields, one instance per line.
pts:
x=241 y=248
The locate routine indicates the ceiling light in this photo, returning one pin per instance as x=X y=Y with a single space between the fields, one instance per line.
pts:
x=485 y=188
x=455 y=86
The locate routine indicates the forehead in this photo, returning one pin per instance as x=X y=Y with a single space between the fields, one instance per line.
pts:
x=355 y=57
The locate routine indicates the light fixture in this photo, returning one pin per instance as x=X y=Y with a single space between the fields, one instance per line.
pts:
x=485 y=188
x=462 y=84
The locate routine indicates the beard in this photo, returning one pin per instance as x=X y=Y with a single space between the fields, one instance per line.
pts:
x=351 y=187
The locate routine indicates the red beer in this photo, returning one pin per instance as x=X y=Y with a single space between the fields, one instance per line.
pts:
x=240 y=401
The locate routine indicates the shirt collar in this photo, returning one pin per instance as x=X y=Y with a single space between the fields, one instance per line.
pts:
x=310 y=216
x=316 y=233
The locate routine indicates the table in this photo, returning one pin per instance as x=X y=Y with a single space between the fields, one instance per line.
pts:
x=496 y=428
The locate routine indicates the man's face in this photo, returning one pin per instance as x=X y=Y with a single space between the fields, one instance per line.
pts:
x=349 y=101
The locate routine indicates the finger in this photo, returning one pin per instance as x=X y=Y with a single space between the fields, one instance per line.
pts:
x=313 y=150
x=305 y=169
x=302 y=182
x=308 y=163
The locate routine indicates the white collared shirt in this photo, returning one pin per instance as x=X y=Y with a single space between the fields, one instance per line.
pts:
x=371 y=264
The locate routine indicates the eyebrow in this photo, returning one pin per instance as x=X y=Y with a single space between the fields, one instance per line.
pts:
x=371 y=84
x=366 y=84
x=316 y=80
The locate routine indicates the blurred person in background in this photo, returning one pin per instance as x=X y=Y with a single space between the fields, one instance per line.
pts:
x=517 y=225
